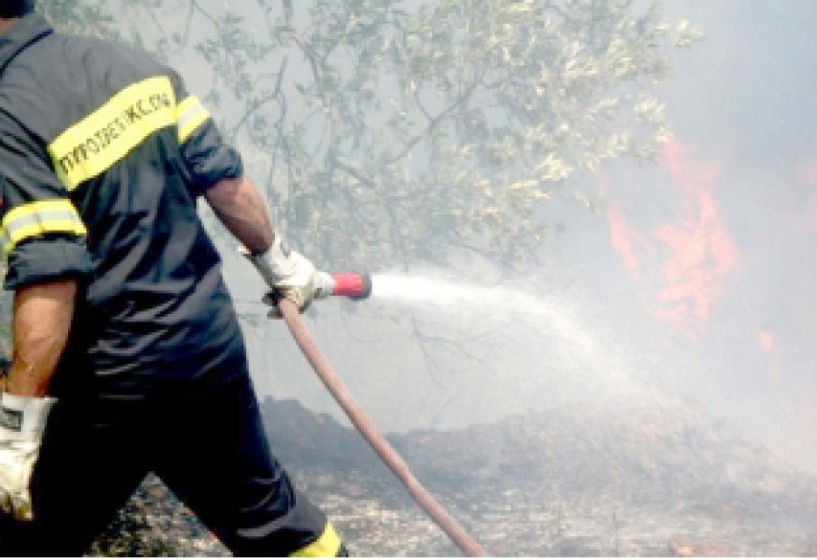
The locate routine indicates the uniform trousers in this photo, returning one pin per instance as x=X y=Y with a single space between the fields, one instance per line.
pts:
x=208 y=446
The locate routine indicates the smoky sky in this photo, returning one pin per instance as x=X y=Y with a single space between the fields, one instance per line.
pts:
x=737 y=184
x=698 y=277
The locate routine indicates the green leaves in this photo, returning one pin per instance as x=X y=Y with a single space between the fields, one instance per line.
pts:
x=392 y=130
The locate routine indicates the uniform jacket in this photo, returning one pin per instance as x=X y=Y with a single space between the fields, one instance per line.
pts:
x=103 y=154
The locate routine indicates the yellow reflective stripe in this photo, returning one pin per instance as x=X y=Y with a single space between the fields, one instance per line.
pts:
x=327 y=545
x=38 y=218
x=97 y=142
x=191 y=115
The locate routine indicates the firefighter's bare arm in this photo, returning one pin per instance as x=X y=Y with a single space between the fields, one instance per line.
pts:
x=240 y=206
x=42 y=321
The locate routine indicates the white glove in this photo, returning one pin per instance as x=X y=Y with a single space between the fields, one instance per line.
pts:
x=22 y=422
x=289 y=274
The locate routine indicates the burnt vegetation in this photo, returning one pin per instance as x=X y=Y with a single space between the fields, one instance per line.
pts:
x=629 y=476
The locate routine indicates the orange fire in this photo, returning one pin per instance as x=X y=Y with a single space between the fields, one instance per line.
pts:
x=696 y=251
x=767 y=342
x=623 y=238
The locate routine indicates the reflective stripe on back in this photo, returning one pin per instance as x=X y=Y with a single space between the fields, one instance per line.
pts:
x=97 y=142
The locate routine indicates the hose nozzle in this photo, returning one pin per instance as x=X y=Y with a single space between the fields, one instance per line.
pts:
x=354 y=285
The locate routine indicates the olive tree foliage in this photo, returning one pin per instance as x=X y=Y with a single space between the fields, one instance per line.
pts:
x=386 y=132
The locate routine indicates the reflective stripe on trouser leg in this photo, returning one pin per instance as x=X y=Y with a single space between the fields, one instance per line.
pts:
x=327 y=545
x=221 y=466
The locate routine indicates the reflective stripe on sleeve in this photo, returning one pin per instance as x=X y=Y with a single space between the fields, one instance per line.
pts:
x=327 y=545
x=191 y=114
x=97 y=142
x=38 y=218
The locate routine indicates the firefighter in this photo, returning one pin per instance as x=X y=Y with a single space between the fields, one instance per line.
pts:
x=128 y=356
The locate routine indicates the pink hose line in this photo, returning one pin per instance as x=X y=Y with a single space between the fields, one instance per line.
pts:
x=367 y=429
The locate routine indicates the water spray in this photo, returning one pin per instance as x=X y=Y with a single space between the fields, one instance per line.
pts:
x=358 y=286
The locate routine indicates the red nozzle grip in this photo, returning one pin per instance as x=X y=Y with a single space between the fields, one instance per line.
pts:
x=355 y=285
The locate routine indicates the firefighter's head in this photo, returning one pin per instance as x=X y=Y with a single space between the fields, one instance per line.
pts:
x=15 y=8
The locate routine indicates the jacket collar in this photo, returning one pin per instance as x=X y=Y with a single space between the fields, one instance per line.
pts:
x=26 y=31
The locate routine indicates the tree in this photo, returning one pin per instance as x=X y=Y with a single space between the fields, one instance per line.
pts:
x=395 y=131
x=390 y=132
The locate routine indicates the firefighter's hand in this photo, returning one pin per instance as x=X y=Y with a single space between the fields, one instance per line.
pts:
x=22 y=422
x=289 y=275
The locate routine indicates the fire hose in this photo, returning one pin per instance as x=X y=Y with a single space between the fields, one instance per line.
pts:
x=358 y=286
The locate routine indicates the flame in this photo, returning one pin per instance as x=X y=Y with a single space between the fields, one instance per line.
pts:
x=696 y=250
x=623 y=239
x=767 y=342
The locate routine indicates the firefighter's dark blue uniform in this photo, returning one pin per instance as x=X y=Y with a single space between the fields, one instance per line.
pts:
x=103 y=155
